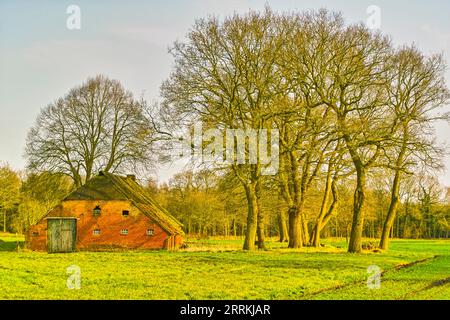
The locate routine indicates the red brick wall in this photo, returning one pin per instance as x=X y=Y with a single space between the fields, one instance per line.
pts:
x=110 y=223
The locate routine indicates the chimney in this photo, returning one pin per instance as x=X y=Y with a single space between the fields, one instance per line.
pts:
x=131 y=177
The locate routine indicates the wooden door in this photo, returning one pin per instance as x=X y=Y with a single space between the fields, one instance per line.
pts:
x=61 y=234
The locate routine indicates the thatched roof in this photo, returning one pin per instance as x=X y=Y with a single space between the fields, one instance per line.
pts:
x=107 y=186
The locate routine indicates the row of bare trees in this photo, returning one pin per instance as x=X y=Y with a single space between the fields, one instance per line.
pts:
x=343 y=98
x=209 y=203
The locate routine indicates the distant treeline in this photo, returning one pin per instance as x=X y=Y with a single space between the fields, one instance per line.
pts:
x=212 y=205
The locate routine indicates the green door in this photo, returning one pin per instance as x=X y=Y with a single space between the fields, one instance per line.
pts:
x=61 y=234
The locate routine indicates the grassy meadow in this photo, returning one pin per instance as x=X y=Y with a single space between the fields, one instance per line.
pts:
x=218 y=269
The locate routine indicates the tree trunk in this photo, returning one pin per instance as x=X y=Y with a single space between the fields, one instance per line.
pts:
x=283 y=228
x=395 y=198
x=78 y=181
x=333 y=206
x=393 y=207
x=260 y=233
x=324 y=222
x=260 y=218
x=327 y=216
x=4 y=220
x=295 y=228
x=312 y=239
x=305 y=231
x=252 y=217
x=355 y=242
x=315 y=236
x=189 y=225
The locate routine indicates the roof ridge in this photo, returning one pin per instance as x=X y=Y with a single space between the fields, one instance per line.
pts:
x=95 y=188
x=149 y=199
x=140 y=199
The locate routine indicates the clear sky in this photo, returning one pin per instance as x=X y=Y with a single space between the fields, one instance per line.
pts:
x=41 y=59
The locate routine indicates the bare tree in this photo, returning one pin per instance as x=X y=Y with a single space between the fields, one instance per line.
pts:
x=336 y=170
x=304 y=144
x=322 y=83
x=301 y=117
x=224 y=76
x=96 y=126
x=348 y=75
x=417 y=90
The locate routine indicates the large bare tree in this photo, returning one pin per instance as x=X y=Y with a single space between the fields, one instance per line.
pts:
x=326 y=86
x=348 y=74
x=224 y=76
x=301 y=117
x=416 y=91
x=96 y=126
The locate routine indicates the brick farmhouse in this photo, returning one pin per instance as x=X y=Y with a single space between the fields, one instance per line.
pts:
x=108 y=212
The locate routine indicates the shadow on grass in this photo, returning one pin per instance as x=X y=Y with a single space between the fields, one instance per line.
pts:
x=11 y=245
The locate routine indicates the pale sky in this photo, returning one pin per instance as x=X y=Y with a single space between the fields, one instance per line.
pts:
x=41 y=59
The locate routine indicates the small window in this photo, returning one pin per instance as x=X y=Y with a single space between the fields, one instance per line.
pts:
x=150 y=232
x=97 y=211
x=124 y=232
x=125 y=213
x=96 y=232
x=34 y=234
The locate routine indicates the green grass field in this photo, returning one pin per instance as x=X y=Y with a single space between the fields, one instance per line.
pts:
x=218 y=269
